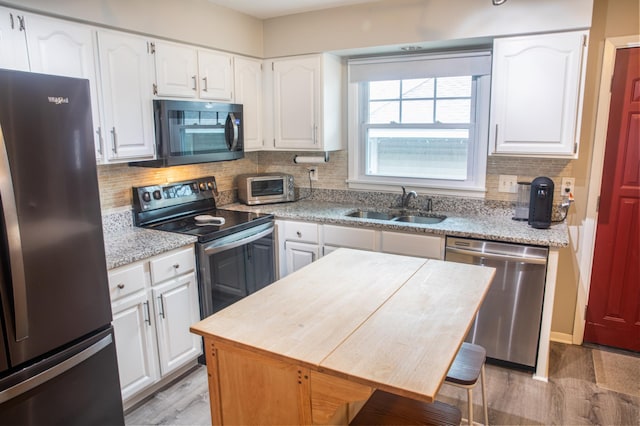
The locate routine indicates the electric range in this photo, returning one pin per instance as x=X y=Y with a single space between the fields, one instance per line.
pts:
x=189 y=207
x=235 y=251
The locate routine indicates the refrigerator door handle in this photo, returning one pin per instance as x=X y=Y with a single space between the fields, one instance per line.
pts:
x=10 y=212
x=55 y=371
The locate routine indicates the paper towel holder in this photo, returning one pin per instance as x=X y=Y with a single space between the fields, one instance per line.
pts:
x=304 y=159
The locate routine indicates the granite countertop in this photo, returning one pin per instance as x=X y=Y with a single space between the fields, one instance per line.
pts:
x=125 y=243
x=490 y=225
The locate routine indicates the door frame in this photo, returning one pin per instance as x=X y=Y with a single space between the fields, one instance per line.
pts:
x=590 y=223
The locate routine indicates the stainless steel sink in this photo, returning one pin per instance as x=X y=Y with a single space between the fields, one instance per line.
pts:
x=428 y=220
x=398 y=216
x=363 y=214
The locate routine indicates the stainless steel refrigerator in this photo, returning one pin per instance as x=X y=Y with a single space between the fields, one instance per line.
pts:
x=57 y=352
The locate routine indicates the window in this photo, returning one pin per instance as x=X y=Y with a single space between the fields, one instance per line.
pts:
x=419 y=121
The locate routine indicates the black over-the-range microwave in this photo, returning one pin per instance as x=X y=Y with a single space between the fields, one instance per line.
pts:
x=190 y=132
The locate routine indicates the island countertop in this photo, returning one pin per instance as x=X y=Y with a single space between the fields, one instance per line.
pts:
x=353 y=319
x=488 y=225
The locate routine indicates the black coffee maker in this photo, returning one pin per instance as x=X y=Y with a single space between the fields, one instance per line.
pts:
x=541 y=203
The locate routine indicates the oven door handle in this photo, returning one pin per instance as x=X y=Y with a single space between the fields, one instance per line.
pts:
x=214 y=248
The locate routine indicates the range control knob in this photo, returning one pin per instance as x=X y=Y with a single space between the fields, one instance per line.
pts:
x=194 y=186
x=210 y=185
x=157 y=195
x=202 y=186
x=146 y=196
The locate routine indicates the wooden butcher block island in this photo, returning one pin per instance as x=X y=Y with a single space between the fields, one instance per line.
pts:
x=313 y=346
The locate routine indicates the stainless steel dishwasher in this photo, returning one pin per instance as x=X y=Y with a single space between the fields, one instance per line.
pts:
x=508 y=322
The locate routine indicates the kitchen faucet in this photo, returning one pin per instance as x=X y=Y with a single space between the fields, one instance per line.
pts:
x=406 y=196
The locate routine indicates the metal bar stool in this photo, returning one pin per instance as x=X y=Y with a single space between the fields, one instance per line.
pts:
x=467 y=367
x=385 y=408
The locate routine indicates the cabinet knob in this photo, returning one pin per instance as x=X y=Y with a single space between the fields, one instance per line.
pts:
x=120 y=286
x=176 y=266
x=299 y=234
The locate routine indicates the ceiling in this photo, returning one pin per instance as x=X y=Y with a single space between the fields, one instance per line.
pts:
x=265 y=9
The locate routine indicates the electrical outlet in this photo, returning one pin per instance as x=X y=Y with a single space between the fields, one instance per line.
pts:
x=568 y=186
x=313 y=173
x=508 y=183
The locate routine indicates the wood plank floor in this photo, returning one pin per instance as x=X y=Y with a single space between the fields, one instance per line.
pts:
x=571 y=397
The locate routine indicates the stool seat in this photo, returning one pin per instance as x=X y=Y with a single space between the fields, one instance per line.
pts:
x=467 y=365
x=384 y=408
x=466 y=369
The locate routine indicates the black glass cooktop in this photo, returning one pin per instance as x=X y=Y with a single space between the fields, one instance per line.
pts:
x=199 y=225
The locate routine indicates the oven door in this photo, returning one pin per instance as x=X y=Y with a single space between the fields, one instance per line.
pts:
x=235 y=266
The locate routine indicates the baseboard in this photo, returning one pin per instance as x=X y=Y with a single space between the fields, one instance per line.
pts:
x=561 y=337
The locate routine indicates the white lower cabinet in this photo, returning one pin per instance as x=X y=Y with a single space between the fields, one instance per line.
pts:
x=135 y=344
x=301 y=243
x=299 y=255
x=151 y=319
x=428 y=246
x=343 y=236
x=176 y=309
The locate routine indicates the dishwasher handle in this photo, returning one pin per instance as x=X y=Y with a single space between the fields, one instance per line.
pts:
x=495 y=256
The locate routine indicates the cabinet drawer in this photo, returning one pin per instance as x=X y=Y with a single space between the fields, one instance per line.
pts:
x=301 y=231
x=126 y=280
x=428 y=246
x=172 y=265
x=356 y=238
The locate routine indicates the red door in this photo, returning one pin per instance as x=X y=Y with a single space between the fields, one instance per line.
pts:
x=613 y=312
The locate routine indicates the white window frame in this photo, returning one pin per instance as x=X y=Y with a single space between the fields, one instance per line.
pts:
x=473 y=186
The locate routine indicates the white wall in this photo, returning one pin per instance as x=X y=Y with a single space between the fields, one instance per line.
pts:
x=400 y=22
x=193 y=21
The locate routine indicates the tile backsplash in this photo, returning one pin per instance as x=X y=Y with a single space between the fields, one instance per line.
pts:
x=116 y=180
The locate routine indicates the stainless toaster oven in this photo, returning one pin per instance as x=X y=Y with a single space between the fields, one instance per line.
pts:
x=265 y=188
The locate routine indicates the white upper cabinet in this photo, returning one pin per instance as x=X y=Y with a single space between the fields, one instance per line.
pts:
x=13 y=43
x=536 y=96
x=176 y=70
x=215 y=70
x=306 y=99
x=248 y=92
x=126 y=70
x=184 y=71
x=66 y=49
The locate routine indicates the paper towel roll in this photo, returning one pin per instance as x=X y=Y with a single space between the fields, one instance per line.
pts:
x=305 y=159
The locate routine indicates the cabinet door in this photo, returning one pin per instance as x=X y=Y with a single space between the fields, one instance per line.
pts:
x=248 y=92
x=176 y=70
x=13 y=43
x=296 y=86
x=215 y=70
x=300 y=255
x=537 y=94
x=176 y=303
x=126 y=76
x=65 y=48
x=135 y=343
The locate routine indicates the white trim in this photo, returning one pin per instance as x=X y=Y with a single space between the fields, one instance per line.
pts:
x=558 y=337
x=475 y=187
x=542 y=364
x=585 y=251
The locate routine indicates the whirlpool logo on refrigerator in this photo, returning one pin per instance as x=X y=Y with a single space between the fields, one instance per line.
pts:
x=58 y=100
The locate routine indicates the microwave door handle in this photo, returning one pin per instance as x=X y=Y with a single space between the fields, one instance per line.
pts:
x=233 y=141
x=16 y=261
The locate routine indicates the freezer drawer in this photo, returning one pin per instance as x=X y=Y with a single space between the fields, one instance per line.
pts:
x=78 y=386
x=508 y=322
